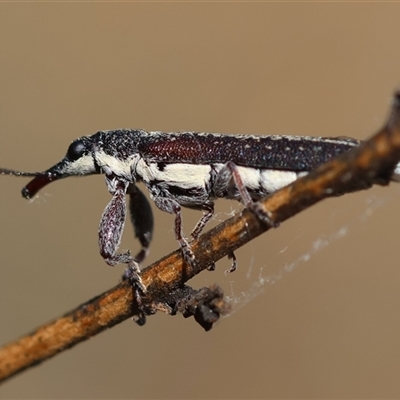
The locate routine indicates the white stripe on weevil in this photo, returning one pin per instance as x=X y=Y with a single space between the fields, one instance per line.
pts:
x=119 y=167
x=182 y=175
x=272 y=180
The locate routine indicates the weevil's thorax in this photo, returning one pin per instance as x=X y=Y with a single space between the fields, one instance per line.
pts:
x=116 y=152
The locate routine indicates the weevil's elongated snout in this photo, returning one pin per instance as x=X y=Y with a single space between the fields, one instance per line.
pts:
x=37 y=183
x=78 y=162
x=41 y=179
x=63 y=169
x=44 y=178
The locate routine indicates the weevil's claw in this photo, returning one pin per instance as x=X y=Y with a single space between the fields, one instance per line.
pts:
x=262 y=214
x=211 y=267
x=233 y=267
x=140 y=318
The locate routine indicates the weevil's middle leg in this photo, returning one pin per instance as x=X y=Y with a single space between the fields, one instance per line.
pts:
x=171 y=206
x=207 y=215
x=209 y=212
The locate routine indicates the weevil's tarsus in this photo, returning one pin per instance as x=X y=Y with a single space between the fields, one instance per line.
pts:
x=132 y=275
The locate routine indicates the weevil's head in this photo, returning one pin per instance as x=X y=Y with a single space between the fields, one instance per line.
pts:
x=109 y=152
x=79 y=160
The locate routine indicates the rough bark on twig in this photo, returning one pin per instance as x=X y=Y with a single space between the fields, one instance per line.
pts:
x=360 y=168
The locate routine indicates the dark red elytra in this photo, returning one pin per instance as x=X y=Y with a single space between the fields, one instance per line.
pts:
x=267 y=152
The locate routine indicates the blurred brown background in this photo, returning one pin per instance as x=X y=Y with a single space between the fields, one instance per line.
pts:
x=329 y=327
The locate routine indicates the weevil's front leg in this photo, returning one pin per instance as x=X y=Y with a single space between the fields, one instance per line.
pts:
x=110 y=232
x=171 y=206
x=142 y=219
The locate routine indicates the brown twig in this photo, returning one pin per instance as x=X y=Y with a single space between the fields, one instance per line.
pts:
x=371 y=163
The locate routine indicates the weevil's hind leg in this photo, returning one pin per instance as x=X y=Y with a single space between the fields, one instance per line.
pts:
x=142 y=220
x=173 y=207
x=110 y=233
x=229 y=178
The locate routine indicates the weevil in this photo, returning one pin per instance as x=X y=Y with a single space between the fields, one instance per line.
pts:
x=186 y=169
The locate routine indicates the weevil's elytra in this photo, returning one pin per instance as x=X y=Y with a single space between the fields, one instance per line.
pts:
x=185 y=169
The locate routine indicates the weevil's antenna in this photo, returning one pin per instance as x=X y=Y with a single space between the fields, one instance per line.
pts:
x=18 y=173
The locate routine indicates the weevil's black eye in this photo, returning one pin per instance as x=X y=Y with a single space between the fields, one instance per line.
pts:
x=76 y=150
